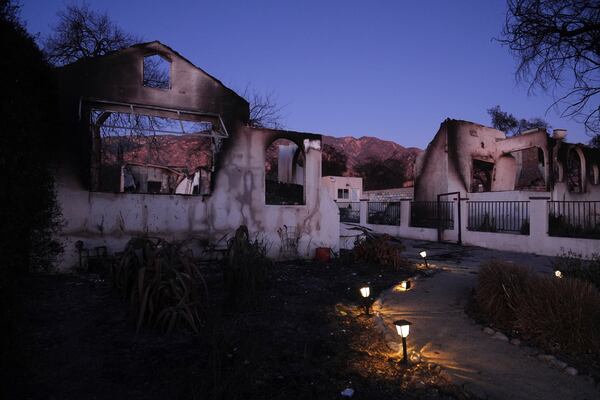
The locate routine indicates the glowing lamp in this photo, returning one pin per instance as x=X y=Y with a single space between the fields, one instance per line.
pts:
x=403 y=328
x=405 y=285
x=423 y=254
x=558 y=274
x=365 y=291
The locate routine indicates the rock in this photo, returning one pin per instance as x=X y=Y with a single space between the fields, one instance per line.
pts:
x=348 y=392
x=530 y=351
x=500 y=336
x=475 y=390
x=445 y=375
x=394 y=346
x=546 y=357
x=420 y=385
x=488 y=330
x=571 y=371
x=414 y=357
x=558 y=364
x=390 y=338
x=515 y=342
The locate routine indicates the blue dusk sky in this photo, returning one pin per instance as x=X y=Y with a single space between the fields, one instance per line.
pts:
x=389 y=69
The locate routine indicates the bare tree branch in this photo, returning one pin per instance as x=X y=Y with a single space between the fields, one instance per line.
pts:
x=84 y=33
x=264 y=110
x=558 y=41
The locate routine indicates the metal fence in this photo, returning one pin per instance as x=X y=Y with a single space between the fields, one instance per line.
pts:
x=383 y=213
x=432 y=214
x=349 y=211
x=574 y=219
x=498 y=216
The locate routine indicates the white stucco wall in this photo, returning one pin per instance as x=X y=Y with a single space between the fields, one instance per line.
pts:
x=537 y=242
x=333 y=183
x=110 y=219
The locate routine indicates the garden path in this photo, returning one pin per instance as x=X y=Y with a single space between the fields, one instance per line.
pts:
x=443 y=334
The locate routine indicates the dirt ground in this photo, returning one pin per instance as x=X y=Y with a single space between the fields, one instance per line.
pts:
x=77 y=341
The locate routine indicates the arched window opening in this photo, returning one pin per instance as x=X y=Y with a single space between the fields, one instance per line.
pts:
x=157 y=72
x=595 y=174
x=284 y=173
x=574 y=172
x=481 y=176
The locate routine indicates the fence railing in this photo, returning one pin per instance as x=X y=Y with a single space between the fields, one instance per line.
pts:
x=349 y=211
x=432 y=214
x=498 y=216
x=383 y=213
x=574 y=219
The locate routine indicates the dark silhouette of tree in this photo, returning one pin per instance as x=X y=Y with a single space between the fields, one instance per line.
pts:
x=511 y=125
x=557 y=44
x=28 y=136
x=378 y=174
x=502 y=120
x=83 y=33
x=333 y=161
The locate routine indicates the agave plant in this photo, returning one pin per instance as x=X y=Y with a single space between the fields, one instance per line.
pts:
x=163 y=283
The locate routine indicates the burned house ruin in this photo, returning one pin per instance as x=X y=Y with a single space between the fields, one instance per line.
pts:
x=156 y=146
x=479 y=162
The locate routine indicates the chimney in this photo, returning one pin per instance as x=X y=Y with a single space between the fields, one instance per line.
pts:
x=559 y=134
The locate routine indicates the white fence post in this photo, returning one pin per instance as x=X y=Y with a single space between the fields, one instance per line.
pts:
x=404 y=213
x=538 y=219
x=363 y=212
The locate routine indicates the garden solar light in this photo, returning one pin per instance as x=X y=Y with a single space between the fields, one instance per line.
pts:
x=365 y=291
x=405 y=285
x=403 y=326
x=424 y=255
x=558 y=274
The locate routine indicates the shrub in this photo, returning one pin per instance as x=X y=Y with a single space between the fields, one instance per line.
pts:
x=500 y=286
x=246 y=267
x=163 y=283
x=561 y=314
x=572 y=265
x=557 y=314
x=383 y=250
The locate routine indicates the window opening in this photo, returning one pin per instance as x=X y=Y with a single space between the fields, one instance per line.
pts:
x=574 y=173
x=343 y=194
x=170 y=153
x=157 y=72
x=284 y=173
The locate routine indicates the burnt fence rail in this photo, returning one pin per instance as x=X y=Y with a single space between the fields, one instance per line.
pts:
x=349 y=211
x=383 y=213
x=574 y=219
x=498 y=216
x=432 y=214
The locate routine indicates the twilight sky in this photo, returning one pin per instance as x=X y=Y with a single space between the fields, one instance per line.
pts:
x=390 y=69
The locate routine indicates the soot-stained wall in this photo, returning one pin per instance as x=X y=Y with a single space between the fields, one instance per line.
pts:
x=238 y=195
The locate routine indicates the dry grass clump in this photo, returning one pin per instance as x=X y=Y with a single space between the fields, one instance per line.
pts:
x=245 y=268
x=163 y=284
x=383 y=250
x=499 y=289
x=561 y=314
x=557 y=314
